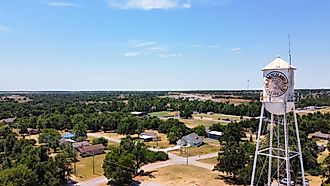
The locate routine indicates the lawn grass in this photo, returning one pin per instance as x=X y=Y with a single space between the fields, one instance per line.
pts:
x=195 y=151
x=211 y=161
x=85 y=167
x=321 y=157
x=219 y=117
x=181 y=175
x=163 y=114
x=191 y=123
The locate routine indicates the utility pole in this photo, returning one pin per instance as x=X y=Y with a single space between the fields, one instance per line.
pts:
x=187 y=154
x=93 y=164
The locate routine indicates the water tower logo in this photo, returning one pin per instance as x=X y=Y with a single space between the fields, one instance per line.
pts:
x=276 y=83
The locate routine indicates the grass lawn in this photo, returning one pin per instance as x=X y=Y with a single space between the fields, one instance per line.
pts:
x=163 y=113
x=211 y=161
x=219 y=117
x=85 y=167
x=322 y=156
x=191 y=123
x=195 y=151
x=181 y=175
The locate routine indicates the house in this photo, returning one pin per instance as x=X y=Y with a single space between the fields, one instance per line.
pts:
x=149 y=136
x=91 y=150
x=191 y=139
x=80 y=144
x=7 y=120
x=68 y=136
x=215 y=135
x=139 y=113
x=320 y=135
x=32 y=131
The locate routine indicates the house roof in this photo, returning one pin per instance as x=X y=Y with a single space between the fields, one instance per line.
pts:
x=146 y=135
x=321 y=135
x=215 y=133
x=8 y=120
x=193 y=138
x=278 y=63
x=91 y=148
x=68 y=135
x=80 y=144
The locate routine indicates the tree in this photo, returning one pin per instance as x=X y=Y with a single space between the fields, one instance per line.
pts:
x=19 y=175
x=80 y=131
x=119 y=166
x=63 y=164
x=51 y=137
x=100 y=140
x=200 y=130
x=187 y=114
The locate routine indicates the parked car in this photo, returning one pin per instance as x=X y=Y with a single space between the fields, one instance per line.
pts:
x=284 y=181
x=299 y=181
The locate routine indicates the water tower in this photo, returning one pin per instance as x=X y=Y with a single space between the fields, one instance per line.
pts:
x=278 y=99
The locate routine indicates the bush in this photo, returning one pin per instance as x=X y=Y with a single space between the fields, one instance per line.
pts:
x=156 y=156
x=100 y=140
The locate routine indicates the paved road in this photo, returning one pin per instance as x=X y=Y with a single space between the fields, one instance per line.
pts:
x=173 y=160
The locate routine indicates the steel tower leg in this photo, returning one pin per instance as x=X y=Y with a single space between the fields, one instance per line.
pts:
x=299 y=146
x=270 y=150
x=258 y=144
x=286 y=141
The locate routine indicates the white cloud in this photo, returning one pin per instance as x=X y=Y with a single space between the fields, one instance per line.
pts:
x=131 y=54
x=201 y=46
x=61 y=4
x=4 y=28
x=169 y=55
x=149 y=4
x=236 y=50
x=144 y=44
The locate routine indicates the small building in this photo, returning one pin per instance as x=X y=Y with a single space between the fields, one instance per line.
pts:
x=68 y=136
x=80 y=144
x=139 y=113
x=149 y=136
x=320 y=135
x=66 y=141
x=91 y=150
x=191 y=139
x=215 y=135
x=32 y=131
x=7 y=120
x=210 y=113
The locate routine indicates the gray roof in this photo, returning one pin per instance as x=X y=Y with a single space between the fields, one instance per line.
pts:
x=321 y=135
x=192 y=139
x=80 y=144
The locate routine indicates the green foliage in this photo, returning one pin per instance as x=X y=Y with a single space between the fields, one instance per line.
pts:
x=100 y=140
x=233 y=132
x=51 y=137
x=187 y=114
x=200 y=130
x=19 y=175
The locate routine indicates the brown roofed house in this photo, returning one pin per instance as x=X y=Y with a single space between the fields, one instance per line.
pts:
x=91 y=150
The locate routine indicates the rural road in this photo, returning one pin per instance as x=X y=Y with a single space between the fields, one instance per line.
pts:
x=173 y=160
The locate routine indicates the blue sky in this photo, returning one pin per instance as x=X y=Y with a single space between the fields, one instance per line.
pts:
x=159 y=44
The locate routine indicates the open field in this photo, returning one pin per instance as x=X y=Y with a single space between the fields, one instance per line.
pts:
x=164 y=114
x=181 y=175
x=191 y=123
x=218 y=117
x=211 y=161
x=114 y=135
x=195 y=151
x=321 y=157
x=85 y=167
x=160 y=144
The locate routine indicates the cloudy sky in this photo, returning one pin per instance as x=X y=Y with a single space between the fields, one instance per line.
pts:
x=159 y=44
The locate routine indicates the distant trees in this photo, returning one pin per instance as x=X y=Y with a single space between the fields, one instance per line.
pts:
x=200 y=130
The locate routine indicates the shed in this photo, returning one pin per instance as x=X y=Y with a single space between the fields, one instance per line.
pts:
x=32 y=131
x=215 y=135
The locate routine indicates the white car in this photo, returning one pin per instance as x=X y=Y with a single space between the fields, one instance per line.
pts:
x=284 y=181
